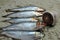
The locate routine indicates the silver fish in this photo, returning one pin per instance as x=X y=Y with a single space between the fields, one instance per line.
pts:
x=27 y=8
x=22 y=26
x=24 y=14
x=17 y=20
x=23 y=35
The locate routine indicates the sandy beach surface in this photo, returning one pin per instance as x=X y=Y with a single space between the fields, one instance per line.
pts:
x=49 y=5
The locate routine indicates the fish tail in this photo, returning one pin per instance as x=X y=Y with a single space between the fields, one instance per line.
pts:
x=5 y=16
x=1 y=30
x=8 y=15
x=7 y=21
x=4 y=21
x=8 y=10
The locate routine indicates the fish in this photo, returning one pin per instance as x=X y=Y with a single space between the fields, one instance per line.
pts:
x=22 y=26
x=19 y=20
x=26 y=8
x=24 y=14
x=22 y=35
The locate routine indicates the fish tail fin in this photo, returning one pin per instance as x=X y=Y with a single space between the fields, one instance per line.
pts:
x=4 y=21
x=8 y=10
x=1 y=30
x=7 y=21
x=5 y=16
